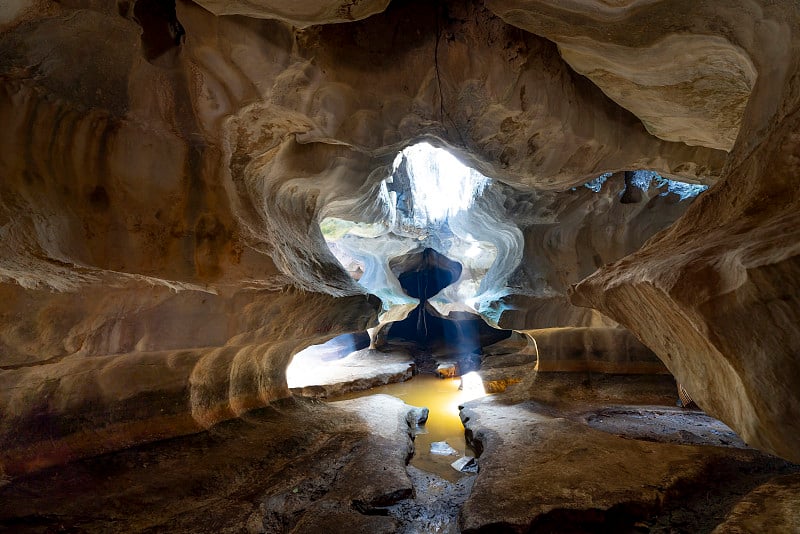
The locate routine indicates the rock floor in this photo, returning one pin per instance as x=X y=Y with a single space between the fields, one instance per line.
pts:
x=572 y=463
x=435 y=506
x=567 y=456
x=299 y=466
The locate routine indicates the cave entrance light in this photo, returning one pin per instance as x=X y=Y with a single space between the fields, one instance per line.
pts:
x=441 y=186
x=428 y=201
x=644 y=180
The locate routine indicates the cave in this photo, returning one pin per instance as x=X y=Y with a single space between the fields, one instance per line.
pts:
x=424 y=330
x=238 y=239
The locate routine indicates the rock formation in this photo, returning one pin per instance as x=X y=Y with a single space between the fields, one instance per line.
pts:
x=165 y=170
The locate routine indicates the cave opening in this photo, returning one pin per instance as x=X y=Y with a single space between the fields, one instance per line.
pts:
x=426 y=255
x=441 y=245
x=431 y=337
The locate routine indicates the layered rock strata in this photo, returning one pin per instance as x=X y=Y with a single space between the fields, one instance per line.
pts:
x=156 y=157
x=715 y=295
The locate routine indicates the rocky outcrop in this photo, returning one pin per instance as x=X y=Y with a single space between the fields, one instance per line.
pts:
x=566 y=237
x=684 y=78
x=301 y=13
x=773 y=506
x=559 y=467
x=309 y=376
x=714 y=296
x=593 y=350
x=165 y=171
x=85 y=403
x=295 y=466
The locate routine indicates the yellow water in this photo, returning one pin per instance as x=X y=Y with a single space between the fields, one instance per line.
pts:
x=442 y=398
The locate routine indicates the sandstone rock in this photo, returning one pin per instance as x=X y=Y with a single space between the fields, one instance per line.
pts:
x=705 y=293
x=447 y=370
x=555 y=474
x=295 y=466
x=417 y=417
x=165 y=171
x=771 y=507
x=300 y=13
x=599 y=350
x=359 y=370
x=696 y=96
x=89 y=403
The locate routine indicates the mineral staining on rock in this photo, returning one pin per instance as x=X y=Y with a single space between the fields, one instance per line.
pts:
x=169 y=175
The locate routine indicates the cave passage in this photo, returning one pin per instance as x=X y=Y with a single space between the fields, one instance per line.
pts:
x=424 y=332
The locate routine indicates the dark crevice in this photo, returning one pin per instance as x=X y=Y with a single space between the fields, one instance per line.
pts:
x=161 y=31
x=436 y=64
x=424 y=331
x=632 y=194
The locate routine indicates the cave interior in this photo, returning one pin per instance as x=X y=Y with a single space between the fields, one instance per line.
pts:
x=399 y=266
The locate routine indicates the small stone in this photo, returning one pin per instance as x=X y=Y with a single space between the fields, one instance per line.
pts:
x=442 y=448
x=417 y=417
x=465 y=464
x=447 y=370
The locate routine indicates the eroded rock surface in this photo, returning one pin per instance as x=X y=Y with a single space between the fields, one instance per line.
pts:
x=687 y=81
x=165 y=170
x=300 y=13
x=774 y=506
x=555 y=473
x=131 y=390
x=359 y=370
x=293 y=467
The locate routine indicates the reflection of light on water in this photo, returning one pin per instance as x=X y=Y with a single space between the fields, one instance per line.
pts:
x=472 y=386
x=442 y=397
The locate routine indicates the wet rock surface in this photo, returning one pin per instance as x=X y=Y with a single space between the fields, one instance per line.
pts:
x=443 y=449
x=434 y=510
x=299 y=466
x=546 y=467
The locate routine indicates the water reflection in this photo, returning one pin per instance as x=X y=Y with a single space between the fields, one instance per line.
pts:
x=442 y=397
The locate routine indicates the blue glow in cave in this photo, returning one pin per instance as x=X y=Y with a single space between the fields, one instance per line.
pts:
x=597 y=184
x=644 y=179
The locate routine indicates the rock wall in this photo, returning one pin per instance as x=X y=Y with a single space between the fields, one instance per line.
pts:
x=164 y=172
x=134 y=307
x=593 y=350
x=716 y=294
x=567 y=236
x=129 y=366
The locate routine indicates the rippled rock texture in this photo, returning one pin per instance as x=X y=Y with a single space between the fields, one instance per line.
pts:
x=714 y=295
x=165 y=169
x=566 y=457
x=293 y=467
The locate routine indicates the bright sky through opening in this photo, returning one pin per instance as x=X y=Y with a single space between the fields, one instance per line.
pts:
x=441 y=185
